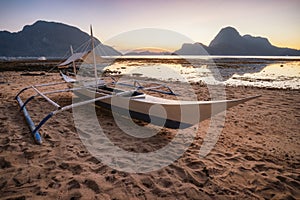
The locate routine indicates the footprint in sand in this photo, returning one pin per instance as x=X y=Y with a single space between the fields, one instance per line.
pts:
x=4 y=163
x=73 y=184
x=92 y=185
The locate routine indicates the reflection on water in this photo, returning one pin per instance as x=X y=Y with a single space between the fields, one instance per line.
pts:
x=271 y=73
x=161 y=71
x=277 y=75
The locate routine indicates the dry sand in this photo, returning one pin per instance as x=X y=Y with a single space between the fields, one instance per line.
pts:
x=256 y=157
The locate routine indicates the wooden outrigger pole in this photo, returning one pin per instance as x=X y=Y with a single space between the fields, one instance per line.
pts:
x=34 y=130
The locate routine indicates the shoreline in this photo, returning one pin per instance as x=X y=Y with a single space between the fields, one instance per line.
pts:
x=41 y=73
x=19 y=65
x=232 y=72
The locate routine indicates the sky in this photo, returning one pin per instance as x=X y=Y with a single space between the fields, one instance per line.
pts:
x=198 y=20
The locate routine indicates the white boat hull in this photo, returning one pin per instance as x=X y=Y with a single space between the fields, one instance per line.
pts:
x=163 y=112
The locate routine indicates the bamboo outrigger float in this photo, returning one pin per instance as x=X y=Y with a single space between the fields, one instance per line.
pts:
x=177 y=113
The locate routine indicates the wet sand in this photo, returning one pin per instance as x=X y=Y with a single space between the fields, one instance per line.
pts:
x=257 y=155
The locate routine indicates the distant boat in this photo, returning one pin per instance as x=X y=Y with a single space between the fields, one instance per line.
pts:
x=42 y=58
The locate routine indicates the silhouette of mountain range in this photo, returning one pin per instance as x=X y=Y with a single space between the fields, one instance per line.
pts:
x=52 y=39
x=49 y=39
x=229 y=42
x=148 y=52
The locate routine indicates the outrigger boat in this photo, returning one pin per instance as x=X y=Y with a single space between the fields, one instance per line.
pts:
x=134 y=103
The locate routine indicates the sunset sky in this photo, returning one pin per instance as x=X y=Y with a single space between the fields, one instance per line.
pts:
x=199 y=20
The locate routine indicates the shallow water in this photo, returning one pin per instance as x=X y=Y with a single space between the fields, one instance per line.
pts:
x=277 y=75
x=258 y=72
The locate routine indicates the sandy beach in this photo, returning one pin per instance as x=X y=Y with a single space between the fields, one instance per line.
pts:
x=257 y=155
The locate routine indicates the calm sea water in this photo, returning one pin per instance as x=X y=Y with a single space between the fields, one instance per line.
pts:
x=264 y=71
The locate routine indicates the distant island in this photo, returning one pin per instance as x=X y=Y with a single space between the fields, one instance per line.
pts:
x=52 y=39
x=147 y=51
x=47 y=39
x=229 y=42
